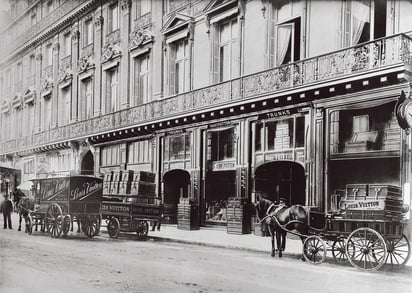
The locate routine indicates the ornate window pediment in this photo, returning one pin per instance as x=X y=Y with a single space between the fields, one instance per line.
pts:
x=175 y=22
x=139 y=38
x=46 y=86
x=217 y=7
x=110 y=51
x=17 y=101
x=29 y=96
x=5 y=106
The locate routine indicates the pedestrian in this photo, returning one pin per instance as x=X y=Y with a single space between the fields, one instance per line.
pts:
x=158 y=223
x=6 y=207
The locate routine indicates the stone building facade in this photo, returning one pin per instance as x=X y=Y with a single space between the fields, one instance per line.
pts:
x=220 y=98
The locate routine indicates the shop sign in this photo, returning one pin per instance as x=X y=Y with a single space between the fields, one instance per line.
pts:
x=279 y=113
x=280 y=156
x=175 y=131
x=224 y=166
x=363 y=205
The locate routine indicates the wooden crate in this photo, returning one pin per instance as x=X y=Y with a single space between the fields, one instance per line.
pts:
x=143 y=188
x=383 y=191
x=144 y=176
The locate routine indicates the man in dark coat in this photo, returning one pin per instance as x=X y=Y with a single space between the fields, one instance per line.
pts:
x=6 y=207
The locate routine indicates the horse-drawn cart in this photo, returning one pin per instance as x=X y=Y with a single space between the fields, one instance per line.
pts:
x=367 y=230
x=129 y=202
x=61 y=200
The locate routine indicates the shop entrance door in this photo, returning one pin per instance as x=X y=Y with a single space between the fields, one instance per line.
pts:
x=176 y=184
x=281 y=179
x=221 y=186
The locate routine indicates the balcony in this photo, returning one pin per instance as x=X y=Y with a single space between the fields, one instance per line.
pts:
x=382 y=55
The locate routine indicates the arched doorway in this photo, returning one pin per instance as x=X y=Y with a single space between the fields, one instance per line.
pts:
x=176 y=184
x=87 y=165
x=281 y=179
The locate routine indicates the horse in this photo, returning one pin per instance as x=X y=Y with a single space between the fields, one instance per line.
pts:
x=24 y=206
x=280 y=219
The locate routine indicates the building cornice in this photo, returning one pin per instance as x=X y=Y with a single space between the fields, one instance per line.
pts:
x=22 y=45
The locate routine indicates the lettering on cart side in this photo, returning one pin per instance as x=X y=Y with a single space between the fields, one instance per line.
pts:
x=86 y=190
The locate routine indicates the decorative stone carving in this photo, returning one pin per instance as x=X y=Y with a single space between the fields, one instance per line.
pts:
x=138 y=38
x=56 y=47
x=46 y=85
x=98 y=21
x=110 y=51
x=65 y=73
x=75 y=35
x=85 y=63
x=125 y=4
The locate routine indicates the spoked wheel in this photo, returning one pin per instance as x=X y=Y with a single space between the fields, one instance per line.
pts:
x=339 y=250
x=66 y=224
x=54 y=217
x=90 y=225
x=398 y=251
x=366 y=249
x=113 y=227
x=142 y=230
x=314 y=249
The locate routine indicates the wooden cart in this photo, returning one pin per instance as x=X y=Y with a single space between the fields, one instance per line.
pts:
x=60 y=201
x=130 y=203
x=367 y=231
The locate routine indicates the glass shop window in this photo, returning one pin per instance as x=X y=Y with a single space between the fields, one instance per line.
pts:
x=223 y=144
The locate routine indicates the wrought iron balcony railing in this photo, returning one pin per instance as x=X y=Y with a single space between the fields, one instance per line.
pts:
x=385 y=53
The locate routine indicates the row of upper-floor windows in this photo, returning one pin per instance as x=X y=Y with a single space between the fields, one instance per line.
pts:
x=225 y=40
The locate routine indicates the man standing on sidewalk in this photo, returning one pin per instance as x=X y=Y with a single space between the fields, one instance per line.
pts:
x=6 y=207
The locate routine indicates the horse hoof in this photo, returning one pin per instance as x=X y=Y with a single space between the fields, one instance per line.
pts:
x=18 y=229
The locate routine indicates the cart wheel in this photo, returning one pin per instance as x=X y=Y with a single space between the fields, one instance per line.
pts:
x=339 y=250
x=54 y=217
x=66 y=224
x=142 y=230
x=113 y=227
x=366 y=249
x=314 y=249
x=90 y=225
x=398 y=251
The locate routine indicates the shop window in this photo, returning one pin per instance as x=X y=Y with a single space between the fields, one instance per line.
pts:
x=139 y=152
x=223 y=143
x=364 y=130
x=280 y=135
x=178 y=147
x=110 y=155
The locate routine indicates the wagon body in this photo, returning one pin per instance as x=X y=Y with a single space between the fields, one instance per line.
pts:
x=367 y=230
x=130 y=202
x=61 y=200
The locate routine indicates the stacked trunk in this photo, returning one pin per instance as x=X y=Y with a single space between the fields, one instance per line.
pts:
x=187 y=215
x=238 y=216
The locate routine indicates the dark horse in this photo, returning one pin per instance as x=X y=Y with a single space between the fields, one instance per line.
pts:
x=280 y=219
x=24 y=206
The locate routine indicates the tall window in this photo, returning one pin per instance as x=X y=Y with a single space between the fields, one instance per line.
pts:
x=88 y=94
x=143 y=7
x=65 y=108
x=47 y=112
x=19 y=73
x=228 y=50
x=88 y=32
x=288 y=42
x=32 y=65
x=113 y=21
x=180 y=67
x=67 y=45
x=141 y=79
x=49 y=55
x=29 y=120
x=112 y=88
